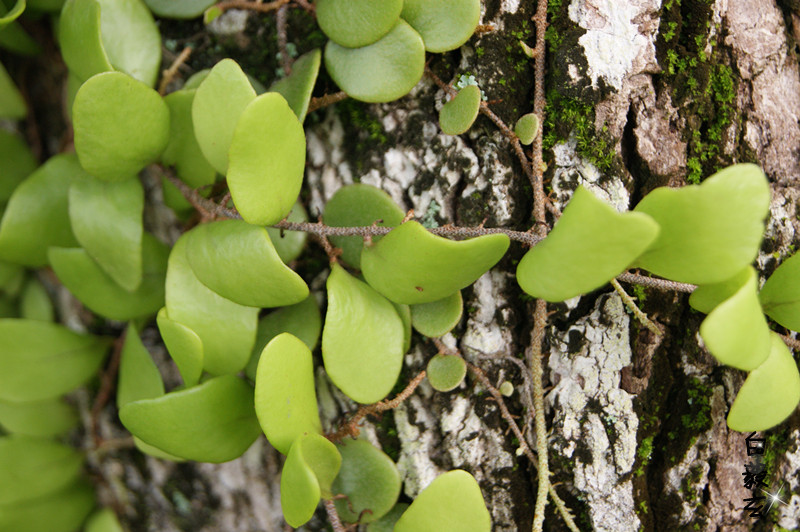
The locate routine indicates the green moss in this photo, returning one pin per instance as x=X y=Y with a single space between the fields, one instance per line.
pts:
x=699 y=399
x=566 y=115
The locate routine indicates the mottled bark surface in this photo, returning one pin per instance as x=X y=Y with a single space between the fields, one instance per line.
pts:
x=641 y=93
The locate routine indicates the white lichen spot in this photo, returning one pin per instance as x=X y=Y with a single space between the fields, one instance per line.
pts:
x=483 y=333
x=231 y=22
x=789 y=513
x=417 y=446
x=573 y=170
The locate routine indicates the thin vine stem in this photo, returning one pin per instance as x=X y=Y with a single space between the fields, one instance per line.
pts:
x=333 y=515
x=637 y=312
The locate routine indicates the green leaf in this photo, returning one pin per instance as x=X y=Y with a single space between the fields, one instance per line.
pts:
x=709 y=232
x=220 y=99
x=404 y=311
x=227 y=330
x=267 y=160
x=382 y=71
x=49 y=417
x=437 y=318
x=52 y=6
x=286 y=402
x=37 y=214
x=107 y=221
x=308 y=472
x=8 y=307
x=11 y=278
x=180 y=9
x=102 y=35
x=446 y=372
x=184 y=346
x=443 y=24
x=63 y=511
x=298 y=86
x=369 y=479
x=95 y=289
x=139 y=377
x=362 y=341
x=705 y=298
x=526 y=128
x=182 y=151
x=411 y=265
x=121 y=126
x=12 y=14
x=104 y=520
x=451 y=503
x=736 y=332
x=34 y=467
x=770 y=394
x=357 y=23
x=302 y=320
x=213 y=422
x=16 y=162
x=355 y=206
x=11 y=103
x=290 y=244
x=238 y=261
x=458 y=115
x=387 y=522
x=35 y=303
x=590 y=244
x=40 y=360
x=780 y=295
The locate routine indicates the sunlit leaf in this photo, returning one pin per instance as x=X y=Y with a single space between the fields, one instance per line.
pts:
x=12 y=14
x=404 y=311
x=286 y=401
x=40 y=360
x=104 y=520
x=437 y=318
x=706 y=297
x=770 y=394
x=212 y=422
x=443 y=24
x=16 y=161
x=308 y=472
x=184 y=346
x=411 y=265
x=220 y=99
x=590 y=244
x=62 y=511
x=182 y=151
x=180 y=9
x=709 y=232
x=357 y=23
x=369 y=479
x=457 y=115
x=80 y=40
x=362 y=341
x=32 y=467
x=11 y=103
x=382 y=71
x=451 y=503
x=267 y=160
x=290 y=244
x=37 y=215
x=526 y=128
x=139 y=377
x=736 y=332
x=49 y=417
x=238 y=261
x=446 y=372
x=35 y=303
x=297 y=87
x=780 y=295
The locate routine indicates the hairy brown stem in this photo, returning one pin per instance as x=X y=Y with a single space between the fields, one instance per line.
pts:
x=326 y=100
x=283 y=40
x=637 y=312
x=653 y=282
x=333 y=515
x=169 y=74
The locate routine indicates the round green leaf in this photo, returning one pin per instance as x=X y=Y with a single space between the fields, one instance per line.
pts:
x=104 y=520
x=709 y=232
x=35 y=303
x=182 y=151
x=50 y=417
x=308 y=472
x=780 y=295
x=286 y=401
x=180 y=9
x=11 y=103
x=362 y=341
x=227 y=329
x=302 y=320
x=443 y=24
x=736 y=332
x=446 y=372
x=37 y=214
x=80 y=39
x=212 y=422
x=411 y=265
x=590 y=244
x=40 y=360
x=107 y=221
x=290 y=244
x=34 y=467
x=298 y=86
x=526 y=128
x=16 y=162
x=369 y=479
x=139 y=377
x=267 y=160
x=770 y=394
x=184 y=346
x=437 y=318
x=404 y=311
x=387 y=522
x=238 y=261
x=355 y=206
x=382 y=71
x=357 y=23
x=121 y=126
x=705 y=298
x=62 y=511
x=457 y=115
x=95 y=289
x=452 y=503
x=220 y=99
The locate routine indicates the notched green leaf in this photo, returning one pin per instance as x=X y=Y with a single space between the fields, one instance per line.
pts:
x=184 y=346
x=308 y=472
x=458 y=115
x=780 y=296
x=139 y=377
x=526 y=128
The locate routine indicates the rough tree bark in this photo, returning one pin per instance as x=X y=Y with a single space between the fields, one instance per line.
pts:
x=641 y=93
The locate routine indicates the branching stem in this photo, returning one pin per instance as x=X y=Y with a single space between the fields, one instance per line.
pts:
x=169 y=74
x=631 y=304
